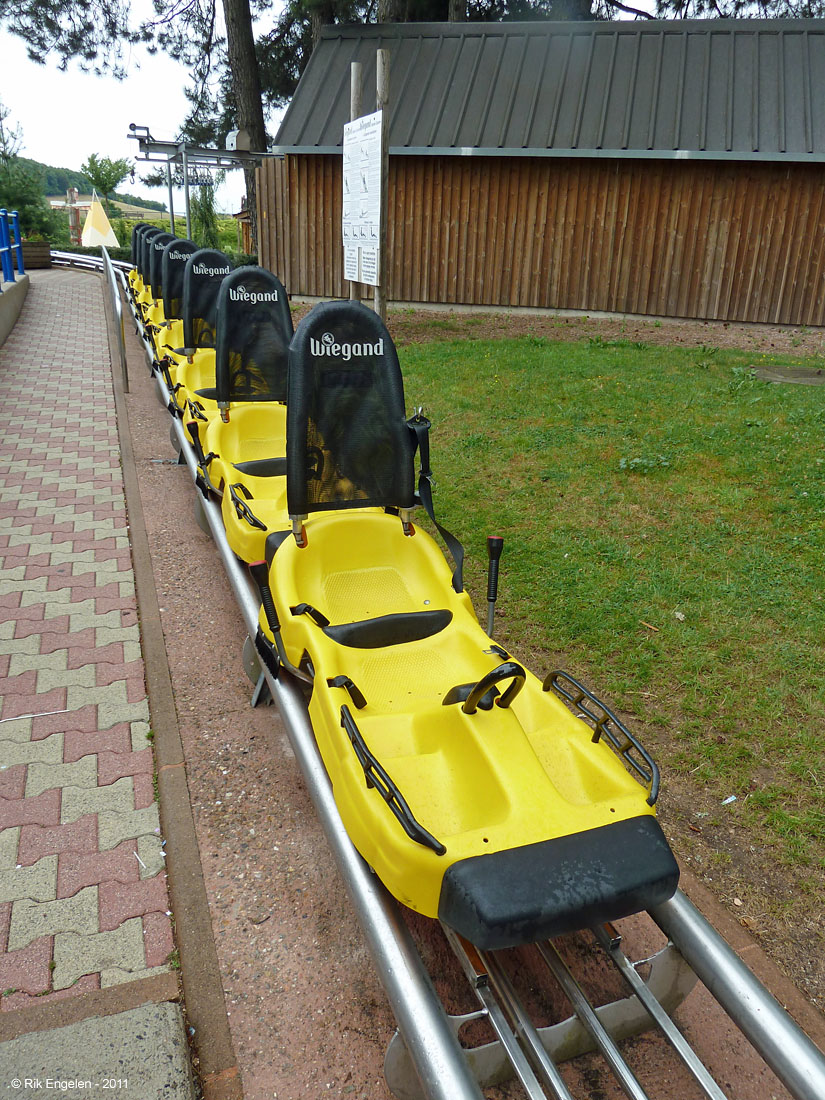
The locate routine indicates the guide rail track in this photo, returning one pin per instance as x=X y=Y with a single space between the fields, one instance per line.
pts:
x=425 y=1059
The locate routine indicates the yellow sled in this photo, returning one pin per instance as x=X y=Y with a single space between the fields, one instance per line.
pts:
x=166 y=328
x=153 y=242
x=170 y=335
x=467 y=784
x=189 y=370
x=154 y=315
x=245 y=437
x=135 y=275
x=142 y=286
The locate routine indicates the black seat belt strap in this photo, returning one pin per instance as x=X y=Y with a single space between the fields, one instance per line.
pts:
x=419 y=426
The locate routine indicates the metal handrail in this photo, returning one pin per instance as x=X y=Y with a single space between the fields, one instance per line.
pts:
x=17 y=247
x=117 y=307
x=6 y=264
x=111 y=269
x=795 y=1059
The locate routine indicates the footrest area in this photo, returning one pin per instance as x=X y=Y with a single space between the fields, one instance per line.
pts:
x=531 y=893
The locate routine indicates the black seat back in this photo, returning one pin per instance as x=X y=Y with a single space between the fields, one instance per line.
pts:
x=348 y=444
x=254 y=328
x=173 y=265
x=204 y=272
x=159 y=243
x=136 y=231
x=146 y=238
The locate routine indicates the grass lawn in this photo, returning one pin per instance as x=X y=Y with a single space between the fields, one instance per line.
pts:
x=664 y=520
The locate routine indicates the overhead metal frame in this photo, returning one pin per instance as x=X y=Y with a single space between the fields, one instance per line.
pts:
x=188 y=155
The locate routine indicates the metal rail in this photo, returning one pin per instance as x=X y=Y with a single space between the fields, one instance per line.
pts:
x=425 y=1060
x=421 y=1019
x=114 y=303
x=523 y=1044
x=797 y=1062
x=611 y=943
x=116 y=308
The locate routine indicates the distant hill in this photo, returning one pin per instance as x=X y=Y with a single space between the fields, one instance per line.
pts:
x=57 y=181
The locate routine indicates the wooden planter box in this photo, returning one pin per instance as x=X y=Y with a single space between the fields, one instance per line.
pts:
x=36 y=254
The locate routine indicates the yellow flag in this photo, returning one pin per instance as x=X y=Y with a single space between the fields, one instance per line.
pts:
x=96 y=228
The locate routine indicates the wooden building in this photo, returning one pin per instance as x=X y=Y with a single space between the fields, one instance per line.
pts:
x=660 y=168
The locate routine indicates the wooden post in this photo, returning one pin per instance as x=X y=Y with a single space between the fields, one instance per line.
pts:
x=74 y=215
x=382 y=102
x=354 y=113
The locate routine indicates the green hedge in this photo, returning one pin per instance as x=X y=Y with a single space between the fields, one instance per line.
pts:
x=238 y=258
x=114 y=253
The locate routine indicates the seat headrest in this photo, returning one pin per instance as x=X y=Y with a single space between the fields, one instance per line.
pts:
x=347 y=440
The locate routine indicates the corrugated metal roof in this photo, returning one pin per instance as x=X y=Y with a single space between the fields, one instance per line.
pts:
x=717 y=89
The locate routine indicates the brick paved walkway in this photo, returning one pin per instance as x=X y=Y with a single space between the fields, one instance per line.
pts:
x=83 y=902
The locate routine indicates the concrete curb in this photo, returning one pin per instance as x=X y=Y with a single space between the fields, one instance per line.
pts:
x=11 y=302
x=200 y=972
x=146 y=1044
x=89 y=990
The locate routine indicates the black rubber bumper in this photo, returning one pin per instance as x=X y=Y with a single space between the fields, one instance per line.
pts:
x=542 y=890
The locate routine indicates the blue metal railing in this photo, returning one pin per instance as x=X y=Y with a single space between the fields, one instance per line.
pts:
x=6 y=265
x=17 y=247
x=11 y=247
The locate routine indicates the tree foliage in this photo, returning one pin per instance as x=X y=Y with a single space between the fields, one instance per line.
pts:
x=21 y=188
x=204 y=217
x=234 y=78
x=105 y=174
x=11 y=136
x=283 y=46
x=738 y=9
x=93 y=32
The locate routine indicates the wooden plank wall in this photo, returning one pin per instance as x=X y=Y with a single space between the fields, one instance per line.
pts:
x=704 y=239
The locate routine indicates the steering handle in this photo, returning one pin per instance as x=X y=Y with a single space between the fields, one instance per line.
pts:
x=509 y=670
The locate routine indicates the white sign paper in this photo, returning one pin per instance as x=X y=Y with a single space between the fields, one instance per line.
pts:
x=361 y=219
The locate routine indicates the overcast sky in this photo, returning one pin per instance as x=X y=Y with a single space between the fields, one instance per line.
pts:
x=65 y=116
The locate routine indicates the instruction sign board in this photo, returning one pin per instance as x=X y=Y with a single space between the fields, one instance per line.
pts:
x=361 y=220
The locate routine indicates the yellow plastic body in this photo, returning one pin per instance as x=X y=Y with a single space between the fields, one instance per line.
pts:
x=480 y=783
x=254 y=431
x=169 y=338
x=144 y=299
x=154 y=314
x=197 y=373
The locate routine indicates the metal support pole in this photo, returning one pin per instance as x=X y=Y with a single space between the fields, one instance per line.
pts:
x=17 y=246
x=186 y=191
x=171 y=200
x=355 y=87
x=382 y=103
x=795 y=1060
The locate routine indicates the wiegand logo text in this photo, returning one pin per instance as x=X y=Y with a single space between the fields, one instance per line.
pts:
x=204 y=269
x=329 y=345
x=242 y=294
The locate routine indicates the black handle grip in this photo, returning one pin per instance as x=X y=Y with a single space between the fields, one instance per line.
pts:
x=260 y=574
x=195 y=435
x=495 y=544
x=508 y=670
